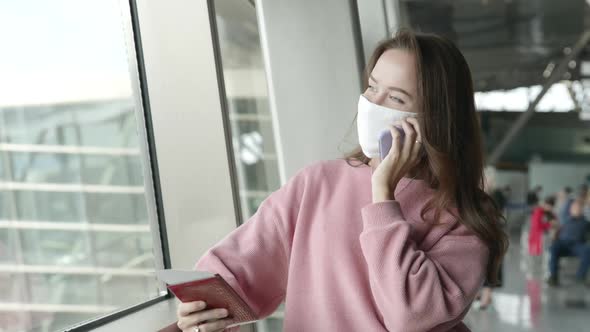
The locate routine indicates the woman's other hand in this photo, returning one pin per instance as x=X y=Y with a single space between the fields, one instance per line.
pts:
x=195 y=314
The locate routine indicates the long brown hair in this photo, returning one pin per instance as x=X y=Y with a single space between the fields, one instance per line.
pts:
x=451 y=137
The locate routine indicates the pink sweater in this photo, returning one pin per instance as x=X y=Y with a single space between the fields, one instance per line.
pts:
x=342 y=263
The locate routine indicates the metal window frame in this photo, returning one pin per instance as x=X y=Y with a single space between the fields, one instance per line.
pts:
x=233 y=170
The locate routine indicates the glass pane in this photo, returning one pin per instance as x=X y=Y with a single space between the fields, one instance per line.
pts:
x=7 y=246
x=58 y=289
x=248 y=104
x=246 y=129
x=2 y=168
x=6 y=206
x=132 y=286
x=48 y=206
x=116 y=208
x=55 y=248
x=262 y=176
x=48 y=124
x=248 y=107
x=109 y=125
x=117 y=170
x=44 y=167
x=12 y=288
x=117 y=249
x=73 y=211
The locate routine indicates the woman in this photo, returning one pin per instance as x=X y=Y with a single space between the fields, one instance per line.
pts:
x=361 y=244
x=542 y=219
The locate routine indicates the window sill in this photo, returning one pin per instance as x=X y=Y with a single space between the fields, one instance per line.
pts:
x=152 y=318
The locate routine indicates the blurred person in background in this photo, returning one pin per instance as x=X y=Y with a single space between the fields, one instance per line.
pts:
x=582 y=193
x=532 y=197
x=561 y=199
x=542 y=219
x=501 y=197
x=564 y=211
x=507 y=195
x=571 y=241
x=585 y=197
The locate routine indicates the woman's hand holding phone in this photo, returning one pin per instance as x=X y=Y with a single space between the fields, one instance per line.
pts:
x=401 y=158
x=385 y=141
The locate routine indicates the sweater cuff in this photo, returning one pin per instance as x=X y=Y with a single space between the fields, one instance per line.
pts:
x=382 y=214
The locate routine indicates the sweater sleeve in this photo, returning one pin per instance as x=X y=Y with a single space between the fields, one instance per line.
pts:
x=417 y=290
x=254 y=258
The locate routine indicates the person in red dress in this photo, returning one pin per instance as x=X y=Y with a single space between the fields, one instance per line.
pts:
x=542 y=219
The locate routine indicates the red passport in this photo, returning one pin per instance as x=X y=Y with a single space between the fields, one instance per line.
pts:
x=191 y=286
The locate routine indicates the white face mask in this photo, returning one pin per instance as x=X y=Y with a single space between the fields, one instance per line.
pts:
x=372 y=120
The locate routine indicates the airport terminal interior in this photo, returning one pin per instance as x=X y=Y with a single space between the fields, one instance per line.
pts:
x=135 y=135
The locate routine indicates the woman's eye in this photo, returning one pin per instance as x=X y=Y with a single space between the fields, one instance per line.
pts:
x=372 y=88
x=397 y=100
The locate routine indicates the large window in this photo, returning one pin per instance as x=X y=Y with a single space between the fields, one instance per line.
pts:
x=75 y=239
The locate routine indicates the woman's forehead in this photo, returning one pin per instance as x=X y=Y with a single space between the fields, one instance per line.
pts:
x=396 y=67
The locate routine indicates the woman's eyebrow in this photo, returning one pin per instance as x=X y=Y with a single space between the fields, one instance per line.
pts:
x=393 y=88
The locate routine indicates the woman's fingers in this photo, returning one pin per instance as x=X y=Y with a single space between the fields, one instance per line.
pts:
x=406 y=148
x=416 y=151
x=409 y=139
x=185 y=309
x=417 y=147
x=215 y=326
x=416 y=125
x=202 y=316
x=396 y=145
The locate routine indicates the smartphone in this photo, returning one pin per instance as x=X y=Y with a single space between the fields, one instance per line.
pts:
x=385 y=141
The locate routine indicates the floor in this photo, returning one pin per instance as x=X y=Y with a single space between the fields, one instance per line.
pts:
x=526 y=303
